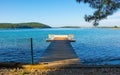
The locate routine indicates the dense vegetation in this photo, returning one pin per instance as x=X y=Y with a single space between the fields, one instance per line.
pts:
x=103 y=8
x=24 y=25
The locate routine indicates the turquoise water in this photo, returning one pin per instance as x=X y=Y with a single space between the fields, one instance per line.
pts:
x=93 y=46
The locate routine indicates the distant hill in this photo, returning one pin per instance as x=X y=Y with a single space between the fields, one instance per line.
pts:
x=24 y=25
x=70 y=27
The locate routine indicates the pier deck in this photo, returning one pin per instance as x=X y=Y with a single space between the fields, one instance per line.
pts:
x=60 y=51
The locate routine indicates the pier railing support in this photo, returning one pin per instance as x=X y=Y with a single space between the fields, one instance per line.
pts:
x=32 y=59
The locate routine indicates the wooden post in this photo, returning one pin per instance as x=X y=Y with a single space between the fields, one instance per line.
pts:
x=32 y=59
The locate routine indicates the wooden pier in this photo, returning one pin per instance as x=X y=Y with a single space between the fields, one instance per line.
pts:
x=60 y=51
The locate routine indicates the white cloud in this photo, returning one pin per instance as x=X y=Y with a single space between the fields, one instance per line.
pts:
x=112 y=20
x=115 y=15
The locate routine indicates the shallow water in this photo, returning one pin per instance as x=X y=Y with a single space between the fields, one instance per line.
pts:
x=93 y=46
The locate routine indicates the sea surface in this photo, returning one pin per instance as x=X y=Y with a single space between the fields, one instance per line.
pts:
x=93 y=46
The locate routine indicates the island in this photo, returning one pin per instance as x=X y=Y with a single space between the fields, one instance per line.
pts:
x=23 y=25
x=70 y=27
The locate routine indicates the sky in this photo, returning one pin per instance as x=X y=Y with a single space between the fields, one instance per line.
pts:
x=55 y=13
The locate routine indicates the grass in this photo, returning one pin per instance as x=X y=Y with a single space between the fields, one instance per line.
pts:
x=13 y=69
x=17 y=68
x=53 y=69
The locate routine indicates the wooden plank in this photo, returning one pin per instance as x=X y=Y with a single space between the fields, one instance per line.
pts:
x=60 y=51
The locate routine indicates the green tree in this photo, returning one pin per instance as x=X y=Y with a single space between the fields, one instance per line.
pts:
x=104 y=8
x=115 y=26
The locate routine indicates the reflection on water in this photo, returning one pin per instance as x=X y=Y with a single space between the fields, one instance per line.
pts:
x=93 y=46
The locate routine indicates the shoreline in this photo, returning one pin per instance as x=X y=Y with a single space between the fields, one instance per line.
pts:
x=56 y=69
